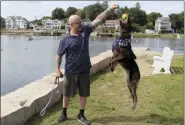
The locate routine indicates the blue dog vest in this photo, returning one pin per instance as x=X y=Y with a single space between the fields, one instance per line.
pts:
x=122 y=43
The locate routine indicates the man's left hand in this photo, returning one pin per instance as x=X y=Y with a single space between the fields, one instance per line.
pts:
x=113 y=6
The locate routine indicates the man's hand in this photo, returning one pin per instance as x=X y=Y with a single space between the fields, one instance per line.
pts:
x=59 y=74
x=113 y=6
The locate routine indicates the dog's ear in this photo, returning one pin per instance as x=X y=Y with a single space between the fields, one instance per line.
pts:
x=128 y=19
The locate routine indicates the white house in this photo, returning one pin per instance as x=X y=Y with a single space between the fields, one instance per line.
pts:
x=148 y=31
x=33 y=26
x=67 y=26
x=17 y=22
x=52 y=24
x=163 y=24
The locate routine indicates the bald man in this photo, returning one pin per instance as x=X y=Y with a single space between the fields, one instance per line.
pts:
x=75 y=46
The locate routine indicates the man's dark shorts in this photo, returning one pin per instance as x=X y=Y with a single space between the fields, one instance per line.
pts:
x=79 y=81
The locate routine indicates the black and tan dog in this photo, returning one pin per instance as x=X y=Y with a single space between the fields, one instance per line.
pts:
x=123 y=54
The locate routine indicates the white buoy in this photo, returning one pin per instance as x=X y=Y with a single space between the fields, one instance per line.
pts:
x=29 y=38
x=178 y=36
x=26 y=46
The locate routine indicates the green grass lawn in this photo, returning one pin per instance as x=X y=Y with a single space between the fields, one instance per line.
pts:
x=3 y=30
x=182 y=35
x=160 y=101
x=144 y=35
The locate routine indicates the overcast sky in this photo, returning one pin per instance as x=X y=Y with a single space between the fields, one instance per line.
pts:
x=38 y=9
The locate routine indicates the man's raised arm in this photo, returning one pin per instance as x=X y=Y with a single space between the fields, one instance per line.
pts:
x=103 y=16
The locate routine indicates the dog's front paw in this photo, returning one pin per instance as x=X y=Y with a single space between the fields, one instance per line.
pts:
x=111 y=67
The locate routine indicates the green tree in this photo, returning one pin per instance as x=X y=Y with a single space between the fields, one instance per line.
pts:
x=38 y=22
x=70 y=11
x=138 y=16
x=135 y=27
x=138 y=6
x=124 y=10
x=58 y=13
x=112 y=16
x=138 y=28
x=92 y=11
x=152 y=17
x=181 y=19
x=121 y=9
x=149 y=25
x=105 y=4
x=2 y=22
x=173 y=21
x=177 y=21
x=81 y=13
x=46 y=17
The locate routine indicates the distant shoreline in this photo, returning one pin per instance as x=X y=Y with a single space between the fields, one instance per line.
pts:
x=166 y=36
x=33 y=33
x=62 y=32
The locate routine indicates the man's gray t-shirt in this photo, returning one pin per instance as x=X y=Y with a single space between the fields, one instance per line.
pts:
x=76 y=50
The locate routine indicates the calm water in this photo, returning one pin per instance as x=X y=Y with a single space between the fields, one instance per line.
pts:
x=20 y=66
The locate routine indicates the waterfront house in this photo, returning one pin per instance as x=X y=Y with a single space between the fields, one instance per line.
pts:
x=33 y=26
x=148 y=31
x=67 y=26
x=52 y=24
x=111 y=24
x=163 y=24
x=16 y=22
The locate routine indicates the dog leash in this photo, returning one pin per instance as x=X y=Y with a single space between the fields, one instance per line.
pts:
x=44 y=109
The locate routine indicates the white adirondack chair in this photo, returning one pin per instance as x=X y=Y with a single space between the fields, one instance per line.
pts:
x=163 y=62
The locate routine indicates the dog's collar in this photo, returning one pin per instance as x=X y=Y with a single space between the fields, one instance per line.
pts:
x=123 y=42
x=123 y=39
